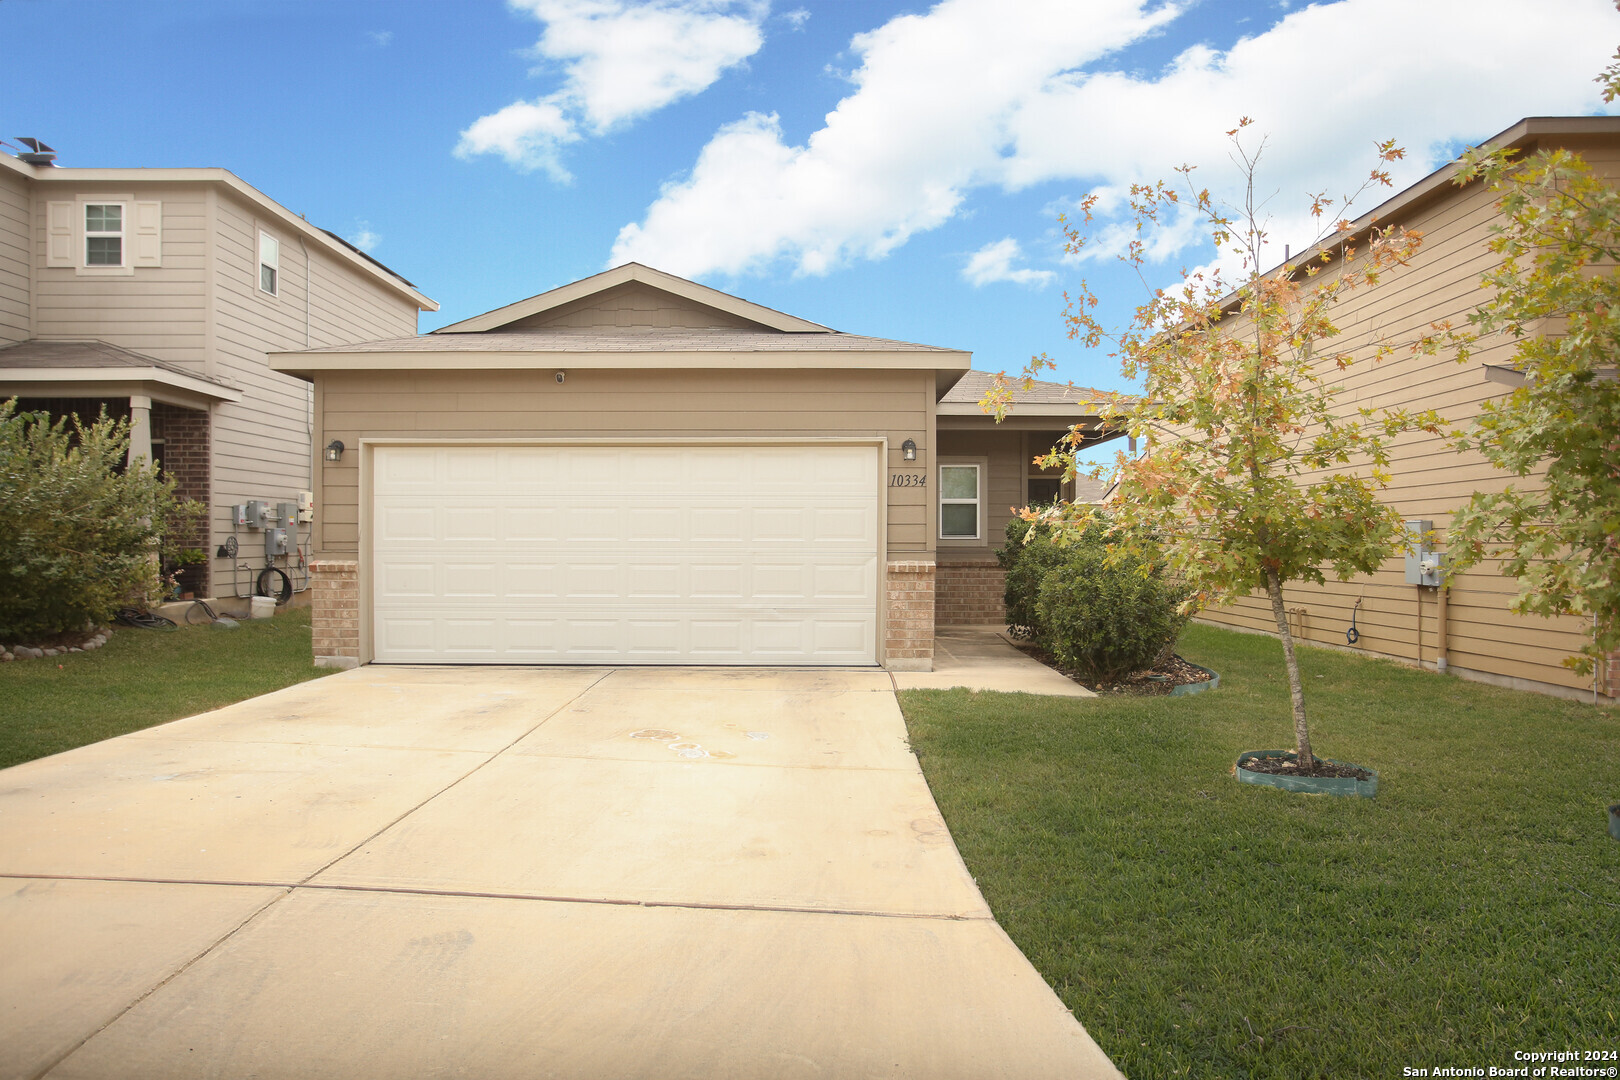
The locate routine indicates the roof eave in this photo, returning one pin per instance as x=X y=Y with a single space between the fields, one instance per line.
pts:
x=1516 y=136
x=306 y=364
x=82 y=377
x=225 y=178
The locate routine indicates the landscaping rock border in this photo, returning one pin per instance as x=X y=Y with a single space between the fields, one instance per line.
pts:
x=94 y=640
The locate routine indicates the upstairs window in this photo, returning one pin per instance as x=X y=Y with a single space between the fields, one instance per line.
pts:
x=104 y=234
x=269 y=263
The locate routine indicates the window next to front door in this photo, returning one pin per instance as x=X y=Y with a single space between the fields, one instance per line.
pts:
x=959 y=502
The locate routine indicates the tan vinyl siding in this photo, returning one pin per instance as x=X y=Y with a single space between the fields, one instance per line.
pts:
x=160 y=310
x=621 y=404
x=16 y=273
x=633 y=305
x=262 y=444
x=1003 y=487
x=1429 y=479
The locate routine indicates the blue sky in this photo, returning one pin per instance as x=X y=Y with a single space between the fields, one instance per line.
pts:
x=884 y=168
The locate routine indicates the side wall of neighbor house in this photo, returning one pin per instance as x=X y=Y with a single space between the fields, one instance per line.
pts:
x=262 y=444
x=627 y=404
x=16 y=264
x=1430 y=480
x=160 y=311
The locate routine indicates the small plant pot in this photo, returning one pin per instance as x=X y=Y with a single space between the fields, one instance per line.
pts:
x=1214 y=682
x=1308 y=785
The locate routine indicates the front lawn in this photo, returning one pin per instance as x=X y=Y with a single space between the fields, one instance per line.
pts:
x=145 y=677
x=1201 y=927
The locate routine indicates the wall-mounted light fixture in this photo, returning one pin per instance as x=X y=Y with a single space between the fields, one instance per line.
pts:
x=334 y=450
x=908 y=450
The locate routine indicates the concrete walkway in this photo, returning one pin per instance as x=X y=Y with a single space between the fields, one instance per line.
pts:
x=981 y=658
x=510 y=873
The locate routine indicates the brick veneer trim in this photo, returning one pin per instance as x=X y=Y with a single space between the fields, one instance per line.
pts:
x=908 y=639
x=334 y=612
x=968 y=593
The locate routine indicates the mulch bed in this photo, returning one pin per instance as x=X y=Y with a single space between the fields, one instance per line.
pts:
x=1153 y=682
x=1289 y=766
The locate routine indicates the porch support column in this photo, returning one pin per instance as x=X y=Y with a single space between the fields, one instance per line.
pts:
x=140 y=428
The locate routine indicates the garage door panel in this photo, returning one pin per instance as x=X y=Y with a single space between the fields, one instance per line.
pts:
x=723 y=555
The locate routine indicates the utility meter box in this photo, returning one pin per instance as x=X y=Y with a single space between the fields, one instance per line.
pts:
x=239 y=514
x=306 y=506
x=275 y=542
x=286 y=514
x=257 y=512
x=1424 y=565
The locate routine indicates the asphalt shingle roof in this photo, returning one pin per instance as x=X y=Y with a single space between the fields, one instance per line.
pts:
x=69 y=355
x=975 y=384
x=661 y=340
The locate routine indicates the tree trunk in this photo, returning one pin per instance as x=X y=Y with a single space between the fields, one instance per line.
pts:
x=1302 y=734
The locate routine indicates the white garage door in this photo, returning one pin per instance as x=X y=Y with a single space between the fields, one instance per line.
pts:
x=626 y=554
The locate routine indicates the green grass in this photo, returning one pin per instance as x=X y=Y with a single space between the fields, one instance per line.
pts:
x=145 y=677
x=1201 y=927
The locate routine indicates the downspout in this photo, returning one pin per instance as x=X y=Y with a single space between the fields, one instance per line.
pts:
x=309 y=390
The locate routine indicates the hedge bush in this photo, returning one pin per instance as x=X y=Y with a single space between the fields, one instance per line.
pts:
x=79 y=534
x=1107 y=618
x=1027 y=562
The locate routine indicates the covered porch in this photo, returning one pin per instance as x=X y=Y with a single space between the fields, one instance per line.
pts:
x=987 y=472
x=167 y=407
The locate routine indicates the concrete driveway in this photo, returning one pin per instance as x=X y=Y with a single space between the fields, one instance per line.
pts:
x=510 y=872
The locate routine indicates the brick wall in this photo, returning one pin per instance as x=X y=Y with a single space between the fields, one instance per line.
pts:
x=185 y=457
x=969 y=593
x=908 y=643
x=334 y=612
x=1609 y=676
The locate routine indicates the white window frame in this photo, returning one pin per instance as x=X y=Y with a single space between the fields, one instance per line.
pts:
x=86 y=235
x=981 y=467
x=274 y=265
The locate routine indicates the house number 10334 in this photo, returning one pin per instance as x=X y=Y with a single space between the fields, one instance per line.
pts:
x=909 y=479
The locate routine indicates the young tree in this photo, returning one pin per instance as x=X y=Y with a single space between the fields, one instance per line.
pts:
x=1557 y=294
x=1254 y=475
x=79 y=533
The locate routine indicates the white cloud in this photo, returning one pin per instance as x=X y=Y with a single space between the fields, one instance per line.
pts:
x=363 y=238
x=981 y=94
x=993 y=262
x=527 y=134
x=621 y=61
x=380 y=38
x=796 y=18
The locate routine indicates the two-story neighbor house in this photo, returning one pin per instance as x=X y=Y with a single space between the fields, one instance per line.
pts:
x=1463 y=625
x=156 y=294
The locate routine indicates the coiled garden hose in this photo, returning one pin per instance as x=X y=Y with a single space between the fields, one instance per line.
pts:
x=267 y=576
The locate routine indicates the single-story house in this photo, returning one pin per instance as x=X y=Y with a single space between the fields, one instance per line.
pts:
x=638 y=469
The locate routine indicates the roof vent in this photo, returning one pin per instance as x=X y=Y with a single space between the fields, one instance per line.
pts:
x=39 y=154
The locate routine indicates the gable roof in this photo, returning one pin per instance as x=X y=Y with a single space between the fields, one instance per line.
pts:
x=344 y=252
x=766 y=318
x=1039 y=399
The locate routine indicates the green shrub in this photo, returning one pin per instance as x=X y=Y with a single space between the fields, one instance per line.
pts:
x=1108 y=617
x=79 y=534
x=1027 y=562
